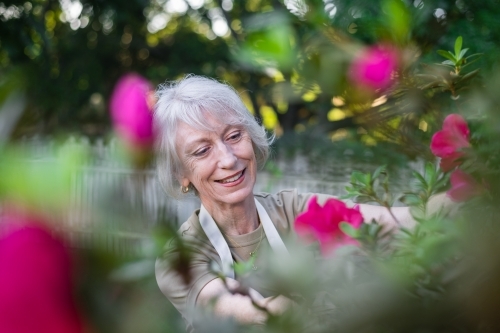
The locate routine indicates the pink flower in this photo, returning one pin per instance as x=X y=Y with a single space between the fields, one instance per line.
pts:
x=447 y=142
x=463 y=186
x=131 y=111
x=372 y=69
x=35 y=279
x=322 y=223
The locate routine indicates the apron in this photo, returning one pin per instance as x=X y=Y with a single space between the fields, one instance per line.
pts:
x=215 y=236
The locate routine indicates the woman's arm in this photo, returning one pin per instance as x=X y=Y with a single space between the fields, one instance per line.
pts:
x=402 y=214
x=240 y=306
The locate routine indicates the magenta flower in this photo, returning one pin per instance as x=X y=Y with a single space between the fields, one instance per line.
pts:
x=447 y=142
x=131 y=111
x=35 y=279
x=373 y=68
x=322 y=224
x=463 y=186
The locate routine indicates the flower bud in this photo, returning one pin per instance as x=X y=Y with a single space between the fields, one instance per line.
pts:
x=36 y=287
x=131 y=111
x=373 y=68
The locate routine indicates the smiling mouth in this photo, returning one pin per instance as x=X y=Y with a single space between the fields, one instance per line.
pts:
x=232 y=178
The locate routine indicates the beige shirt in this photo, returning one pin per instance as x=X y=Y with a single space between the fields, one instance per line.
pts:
x=282 y=208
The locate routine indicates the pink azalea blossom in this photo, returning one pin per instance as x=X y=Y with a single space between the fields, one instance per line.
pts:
x=373 y=68
x=35 y=279
x=447 y=142
x=463 y=186
x=322 y=223
x=131 y=111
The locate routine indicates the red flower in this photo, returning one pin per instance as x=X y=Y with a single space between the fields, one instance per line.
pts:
x=447 y=142
x=463 y=186
x=35 y=279
x=322 y=223
x=372 y=69
x=131 y=111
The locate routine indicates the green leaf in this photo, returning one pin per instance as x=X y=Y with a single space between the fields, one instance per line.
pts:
x=244 y=267
x=270 y=41
x=447 y=55
x=441 y=183
x=349 y=189
x=417 y=213
x=397 y=19
x=358 y=177
x=431 y=85
x=462 y=53
x=469 y=75
x=474 y=55
x=420 y=179
x=410 y=199
x=430 y=173
x=349 y=196
x=379 y=170
x=448 y=62
x=349 y=230
x=458 y=45
x=374 y=229
x=363 y=199
x=367 y=179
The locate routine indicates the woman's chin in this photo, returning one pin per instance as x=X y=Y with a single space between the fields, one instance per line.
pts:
x=228 y=196
x=239 y=196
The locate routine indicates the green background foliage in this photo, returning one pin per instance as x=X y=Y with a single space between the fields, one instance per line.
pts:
x=289 y=58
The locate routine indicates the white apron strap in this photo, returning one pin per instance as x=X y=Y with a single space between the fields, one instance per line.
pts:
x=215 y=237
x=273 y=237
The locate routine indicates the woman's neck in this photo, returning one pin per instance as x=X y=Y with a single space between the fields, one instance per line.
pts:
x=235 y=219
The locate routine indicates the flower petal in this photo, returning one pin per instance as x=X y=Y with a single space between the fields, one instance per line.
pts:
x=463 y=186
x=323 y=223
x=449 y=163
x=457 y=124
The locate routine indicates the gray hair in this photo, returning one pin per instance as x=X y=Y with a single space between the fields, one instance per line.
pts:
x=186 y=101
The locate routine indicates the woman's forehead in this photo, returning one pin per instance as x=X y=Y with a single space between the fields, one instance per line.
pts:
x=188 y=135
x=211 y=121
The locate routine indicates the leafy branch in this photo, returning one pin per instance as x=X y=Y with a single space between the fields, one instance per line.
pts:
x=457 y=60
x=431 y=182
x=365 y=187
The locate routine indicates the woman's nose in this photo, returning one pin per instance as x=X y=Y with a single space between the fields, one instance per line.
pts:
x=227 y=159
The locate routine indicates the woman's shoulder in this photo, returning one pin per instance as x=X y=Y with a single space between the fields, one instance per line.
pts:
x=289 y=198
x=283 y=206
x=191 y=229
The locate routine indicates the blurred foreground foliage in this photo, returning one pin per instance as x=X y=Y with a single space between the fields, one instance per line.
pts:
x=291 y=61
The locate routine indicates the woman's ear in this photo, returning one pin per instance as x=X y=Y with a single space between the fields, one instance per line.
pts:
x=183 y=180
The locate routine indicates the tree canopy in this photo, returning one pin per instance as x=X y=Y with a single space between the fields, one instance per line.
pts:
x=288 y=59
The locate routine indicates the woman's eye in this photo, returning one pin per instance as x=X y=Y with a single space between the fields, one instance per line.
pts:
x=235 y=136
x=201 y=152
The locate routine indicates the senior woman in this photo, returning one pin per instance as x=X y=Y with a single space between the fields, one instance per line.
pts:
x=210 y=144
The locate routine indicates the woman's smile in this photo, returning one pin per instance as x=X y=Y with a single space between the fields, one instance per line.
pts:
x=233 y=180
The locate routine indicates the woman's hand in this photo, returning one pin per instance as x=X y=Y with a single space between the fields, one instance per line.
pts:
x=238 y=306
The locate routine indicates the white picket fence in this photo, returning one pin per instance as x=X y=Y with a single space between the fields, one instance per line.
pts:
x=106 y=195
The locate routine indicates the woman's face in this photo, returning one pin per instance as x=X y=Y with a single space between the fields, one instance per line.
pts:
x=220 y=164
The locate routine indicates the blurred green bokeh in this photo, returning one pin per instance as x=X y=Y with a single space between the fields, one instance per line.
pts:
x=290 y=61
